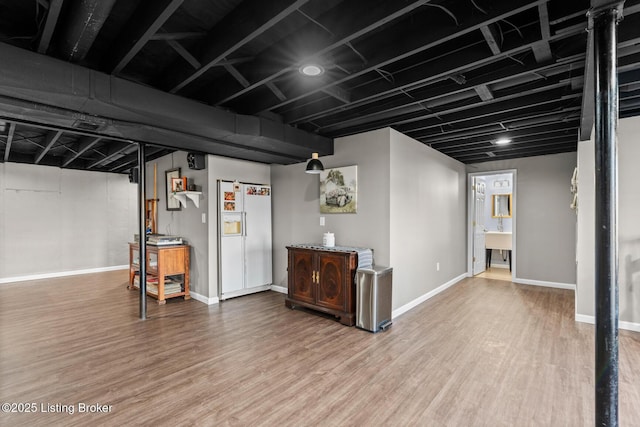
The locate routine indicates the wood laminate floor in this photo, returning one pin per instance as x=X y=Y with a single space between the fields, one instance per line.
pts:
x=482 y=353
x=496 y=273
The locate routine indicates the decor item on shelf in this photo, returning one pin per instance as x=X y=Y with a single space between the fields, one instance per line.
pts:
x=195 y=161
x=173 y=204
x=338 y=190
x=178 y=184
x=314 y=166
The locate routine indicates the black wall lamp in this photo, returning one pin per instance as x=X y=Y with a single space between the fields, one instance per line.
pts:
x=314 y=165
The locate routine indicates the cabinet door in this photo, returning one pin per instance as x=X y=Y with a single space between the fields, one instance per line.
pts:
x=300 y=276
x=331 y=287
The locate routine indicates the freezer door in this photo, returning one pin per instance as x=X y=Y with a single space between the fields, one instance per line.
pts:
x=231 y=264
x=257 y=205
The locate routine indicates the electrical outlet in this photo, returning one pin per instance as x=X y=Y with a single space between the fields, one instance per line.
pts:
x=322 y=221
x=437 y=266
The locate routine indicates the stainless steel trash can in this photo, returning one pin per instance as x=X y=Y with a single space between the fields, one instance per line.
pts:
x=373 y=298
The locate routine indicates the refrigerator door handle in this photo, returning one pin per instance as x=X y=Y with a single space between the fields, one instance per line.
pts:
x=244 y=223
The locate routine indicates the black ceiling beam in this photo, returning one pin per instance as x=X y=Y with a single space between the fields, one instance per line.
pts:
x=53 y=13
x=7 y=147
x=310 y=112
x=542 y=50
x=145 y=22
x=249 y=20
x=85 y=143
x=516 y=143
x=432 y=98
x=520 y=107
x=177 y=36
x=626 y=30
x=412 y=79
x=113 y=152
x=369 y=110
x=124 y=162
x=342 y=21
x=516 y=134
x=500 y=124
x=520 y=98
x=86 y=19
x=417 y=44
x=50 y=140
x=563 y=148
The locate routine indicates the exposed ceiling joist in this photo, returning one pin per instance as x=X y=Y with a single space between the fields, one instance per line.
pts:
x=50 y=140
x=365 y=22
x=7 y=147
x=484 y=92
x=234 y=32
x=414 y=46
x=145 y=23
x=82 y=146
x=491 y=36
x=86 y=21
x=50 y=24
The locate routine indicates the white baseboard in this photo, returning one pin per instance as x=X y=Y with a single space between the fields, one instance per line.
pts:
x=569 y=286
x=280 y=289
x=630 y=326
x=62 y=274
x=202 y=298
x=398 y=311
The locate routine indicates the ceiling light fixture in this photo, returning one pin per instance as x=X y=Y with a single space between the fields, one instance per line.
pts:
x=314 y=165
x=503 y=141
x=312 y=70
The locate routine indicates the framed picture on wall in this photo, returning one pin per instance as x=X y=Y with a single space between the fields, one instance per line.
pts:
x=339 y=190
x=173 y=204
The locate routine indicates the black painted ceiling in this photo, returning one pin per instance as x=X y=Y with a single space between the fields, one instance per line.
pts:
x=453 y=74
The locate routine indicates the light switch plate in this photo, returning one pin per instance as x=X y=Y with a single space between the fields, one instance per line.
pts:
x=322 y=221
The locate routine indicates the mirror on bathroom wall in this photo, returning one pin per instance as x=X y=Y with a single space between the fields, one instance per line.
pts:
x=501 y=205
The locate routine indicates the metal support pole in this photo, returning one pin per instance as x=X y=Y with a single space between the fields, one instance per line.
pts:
x=603 y=21
x=142 y=229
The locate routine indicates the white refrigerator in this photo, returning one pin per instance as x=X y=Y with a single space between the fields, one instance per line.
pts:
x=244 y=238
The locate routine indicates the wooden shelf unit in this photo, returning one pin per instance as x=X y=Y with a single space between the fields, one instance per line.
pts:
x=162 y=261
x=323 y=281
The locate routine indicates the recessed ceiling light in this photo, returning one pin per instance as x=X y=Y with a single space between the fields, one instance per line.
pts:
x=312 y=70
x=503 y=141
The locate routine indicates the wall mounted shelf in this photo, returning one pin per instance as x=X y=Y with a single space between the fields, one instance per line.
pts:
x=183 y=195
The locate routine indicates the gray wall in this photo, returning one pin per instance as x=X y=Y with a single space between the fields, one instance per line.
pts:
x=427 y=221
x=296 y=205
x=545 y=225
x=411 y=210
x=56 y=220
x=186 y=222
x=628 y=224
x=229 y=170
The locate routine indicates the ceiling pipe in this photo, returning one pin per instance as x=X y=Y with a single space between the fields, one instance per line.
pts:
x=86 y=18
x=48 y=91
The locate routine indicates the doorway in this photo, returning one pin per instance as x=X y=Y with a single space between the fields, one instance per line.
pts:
x=492 y=224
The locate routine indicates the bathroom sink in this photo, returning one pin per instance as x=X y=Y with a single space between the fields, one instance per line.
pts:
x=497 y=240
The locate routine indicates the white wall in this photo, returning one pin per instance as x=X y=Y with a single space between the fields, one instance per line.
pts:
x=545 y=224
x=222 y=168
x=56 y=220
x=628 y=224
x=427 y=221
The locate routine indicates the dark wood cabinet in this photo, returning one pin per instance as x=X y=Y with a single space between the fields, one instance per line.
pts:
x=323 y=280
